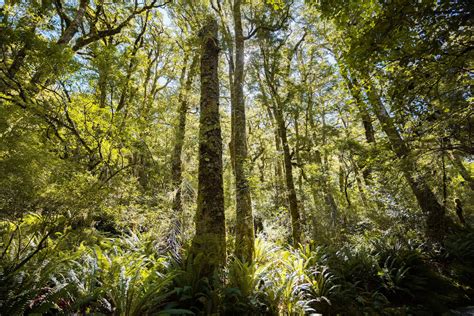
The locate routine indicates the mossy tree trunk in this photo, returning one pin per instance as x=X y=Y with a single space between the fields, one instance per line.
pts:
x=244 y=230
x=209 y=240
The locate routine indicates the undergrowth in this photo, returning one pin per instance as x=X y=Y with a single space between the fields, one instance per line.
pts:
x=47 y=270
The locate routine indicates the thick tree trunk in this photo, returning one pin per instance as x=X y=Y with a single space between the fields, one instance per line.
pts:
x=209 y=240
x=176 y=163
x=244 y=231
x=426 y=198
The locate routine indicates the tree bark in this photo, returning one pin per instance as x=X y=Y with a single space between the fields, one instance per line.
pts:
x=355 y=92
x=323 y=180
x=176 y=163
x=244 y=230
x=290 y=185
x=278 y=181
x=426 y=199
x=278 y=106
x=322 y=159
x=209 y=240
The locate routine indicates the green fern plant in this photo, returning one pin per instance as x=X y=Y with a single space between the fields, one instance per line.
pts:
x=28 y=265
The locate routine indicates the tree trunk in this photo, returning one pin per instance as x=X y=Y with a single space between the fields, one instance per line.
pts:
x=290 y=185
x=209 y=240
x=323 y=180
x=138 y=43
x=322 y=160
x=330 y=202
x=357 y=174
x=426 y=198
x=244 y=238
x=278 y=181
x=176 y=163
x=354 y=90
x=278 y=105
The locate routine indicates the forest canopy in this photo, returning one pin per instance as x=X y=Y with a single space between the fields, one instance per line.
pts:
x=236 y=157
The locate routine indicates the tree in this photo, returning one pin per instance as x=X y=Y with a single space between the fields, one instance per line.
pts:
x=426 y=199
x=209 y=240
x=244 y=231
x=271 y=75
x=186 y=80
x=408 y=76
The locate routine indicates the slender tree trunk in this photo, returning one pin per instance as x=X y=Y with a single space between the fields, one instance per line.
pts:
x=280 y=199
x=209 y=240
x=354 y=90
x=326 y=181
x=357 y=174
x=138 y=43
x=316 y=201
x=316 y=194
x=278 y=181
x=176 y=163
x=366 y=121
x=359 y=181
x=327 y=191
x=278 y=105
x=244 y=239
x=426 y=198
x=323 y=181
x=102 y=85
x=301 y=176
x=290 y=185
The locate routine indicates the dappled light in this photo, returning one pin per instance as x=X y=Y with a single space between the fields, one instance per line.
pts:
x=230 y=157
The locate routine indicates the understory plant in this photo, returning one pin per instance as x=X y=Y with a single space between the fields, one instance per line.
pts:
x=48 y=270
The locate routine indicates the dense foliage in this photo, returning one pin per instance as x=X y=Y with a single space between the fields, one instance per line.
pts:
x=332 y=170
